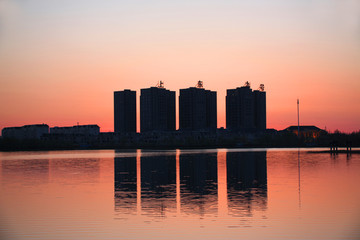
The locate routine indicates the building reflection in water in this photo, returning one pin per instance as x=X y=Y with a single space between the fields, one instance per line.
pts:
x=125 y=180
x=158 y=184
x=216 y=183
x=198 y=183
x=246 y=182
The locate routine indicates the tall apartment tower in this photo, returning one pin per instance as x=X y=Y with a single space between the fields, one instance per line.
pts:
x=260 y=108
x=157 y=109
x=246 y=109
x=125 y=111
x=197 y=109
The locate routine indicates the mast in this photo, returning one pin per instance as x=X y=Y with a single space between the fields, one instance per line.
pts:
x=298 y=117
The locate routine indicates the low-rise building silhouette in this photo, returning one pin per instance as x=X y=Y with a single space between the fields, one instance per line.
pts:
x=306 y=131
x=77 y=129
x=125 y=111
x=35 y=131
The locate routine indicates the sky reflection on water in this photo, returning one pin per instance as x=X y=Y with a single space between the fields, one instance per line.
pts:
x=213 y=194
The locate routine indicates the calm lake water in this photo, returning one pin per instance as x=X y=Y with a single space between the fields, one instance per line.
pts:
x=179 y=194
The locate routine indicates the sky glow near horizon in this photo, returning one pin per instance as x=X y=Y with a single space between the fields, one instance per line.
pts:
x=61 y=61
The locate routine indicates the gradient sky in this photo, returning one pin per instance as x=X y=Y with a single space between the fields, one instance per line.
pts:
x=60 y=61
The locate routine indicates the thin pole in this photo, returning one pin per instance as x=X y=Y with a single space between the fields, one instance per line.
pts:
x=299 y=178
x=298 y=117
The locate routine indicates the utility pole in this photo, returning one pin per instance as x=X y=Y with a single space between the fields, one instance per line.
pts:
x=298 y=117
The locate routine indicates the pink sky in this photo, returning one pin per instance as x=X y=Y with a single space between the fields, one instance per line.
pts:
x=61 y=62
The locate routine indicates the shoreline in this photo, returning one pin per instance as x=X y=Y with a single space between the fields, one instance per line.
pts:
x=309 y=149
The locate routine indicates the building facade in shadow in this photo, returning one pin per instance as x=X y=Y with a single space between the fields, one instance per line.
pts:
x=125 y=111
x=246 y=109
x=197 y=109
x=157 y=109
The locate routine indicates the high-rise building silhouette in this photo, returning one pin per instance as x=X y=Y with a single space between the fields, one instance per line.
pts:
x=157 y=109
x=260 y=108
x=125 y=111
x=197 y=109
x=246 y=109
x=211 y=109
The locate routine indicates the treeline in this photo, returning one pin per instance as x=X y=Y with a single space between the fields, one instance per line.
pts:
x=289 y=139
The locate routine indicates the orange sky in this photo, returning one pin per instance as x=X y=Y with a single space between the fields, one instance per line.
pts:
x=61 y=62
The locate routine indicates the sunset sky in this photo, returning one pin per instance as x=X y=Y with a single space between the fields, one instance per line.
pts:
x=61 y=61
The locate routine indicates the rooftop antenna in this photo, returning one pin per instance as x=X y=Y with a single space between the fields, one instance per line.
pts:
x=262 y=88
x=247 y=84
x=200 y=84
x=298 y=117
x=160 y=84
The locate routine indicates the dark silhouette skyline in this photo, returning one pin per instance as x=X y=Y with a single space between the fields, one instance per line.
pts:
x=125 y=111
x=157 y=109
x=197 y=109
x=246 y=109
